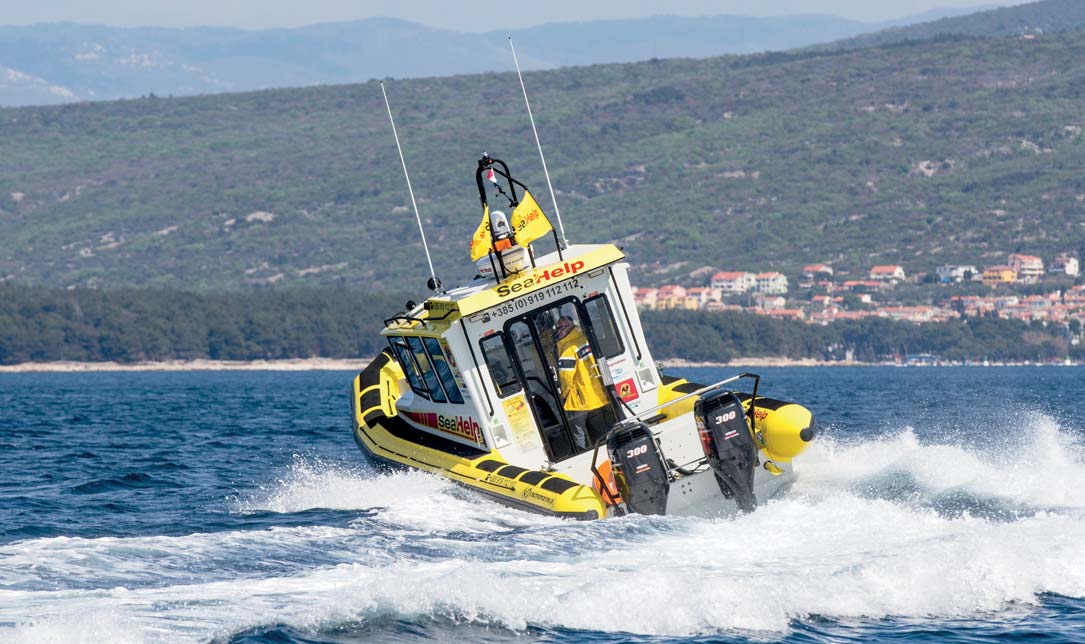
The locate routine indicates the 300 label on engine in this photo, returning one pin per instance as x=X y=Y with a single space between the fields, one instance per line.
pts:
x=723 y=418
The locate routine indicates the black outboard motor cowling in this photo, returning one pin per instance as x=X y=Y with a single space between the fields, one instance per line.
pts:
x=728 y=444
x=638 y=468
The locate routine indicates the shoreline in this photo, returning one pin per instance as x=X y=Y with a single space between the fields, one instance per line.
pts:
x=765 y=361
x=295 y=364
x=356 y=364
x=351 y=364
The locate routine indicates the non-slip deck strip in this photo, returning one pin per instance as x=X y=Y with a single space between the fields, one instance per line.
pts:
x=534 y=478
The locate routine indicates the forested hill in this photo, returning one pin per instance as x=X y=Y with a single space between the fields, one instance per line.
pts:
x=957 y=150
x=130 y=325
x=1033 y=18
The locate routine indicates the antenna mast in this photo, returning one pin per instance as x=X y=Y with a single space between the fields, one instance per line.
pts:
x=434 y=283
x=562 y=242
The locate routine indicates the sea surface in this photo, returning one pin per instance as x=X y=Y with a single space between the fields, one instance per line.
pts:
x=937 y=505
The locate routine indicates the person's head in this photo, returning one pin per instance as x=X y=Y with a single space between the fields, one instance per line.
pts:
x=564 y=326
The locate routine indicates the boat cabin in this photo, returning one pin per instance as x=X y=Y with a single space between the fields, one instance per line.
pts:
x=539 y=364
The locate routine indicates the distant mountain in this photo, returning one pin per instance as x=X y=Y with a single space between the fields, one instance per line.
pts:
x=65 y=62
x=19 y=88
x=1034 y=18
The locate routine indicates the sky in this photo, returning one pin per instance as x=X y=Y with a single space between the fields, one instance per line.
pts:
x=471 y=16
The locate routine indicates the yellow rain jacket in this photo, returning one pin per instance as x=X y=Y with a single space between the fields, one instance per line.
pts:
x=581 y=388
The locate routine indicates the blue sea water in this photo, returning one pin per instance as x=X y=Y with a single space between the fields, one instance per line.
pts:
x=938 y=505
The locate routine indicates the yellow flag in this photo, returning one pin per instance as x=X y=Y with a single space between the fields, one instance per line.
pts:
x=481 y=243
x=528 y=221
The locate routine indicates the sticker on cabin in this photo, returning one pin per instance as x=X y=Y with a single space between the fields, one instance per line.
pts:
x=535 y=300
x=627 y=390
x=456 y=425
x=441 y=306
x=520 y=421
x=450 y=360
x=618 y=367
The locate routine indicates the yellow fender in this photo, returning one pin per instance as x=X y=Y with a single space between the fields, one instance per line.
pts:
x=783 y=429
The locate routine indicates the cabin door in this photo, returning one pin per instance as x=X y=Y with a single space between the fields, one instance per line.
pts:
x=552 y=349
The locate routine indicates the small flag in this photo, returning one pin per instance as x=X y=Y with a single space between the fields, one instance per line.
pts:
x=528 y=221
x=481 y=243
x=491 y=176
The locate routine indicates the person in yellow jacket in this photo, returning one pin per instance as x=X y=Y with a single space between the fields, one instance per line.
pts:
x=582 y=394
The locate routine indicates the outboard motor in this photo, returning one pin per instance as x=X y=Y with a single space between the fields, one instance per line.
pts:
x=639 y=472
x=728 y=444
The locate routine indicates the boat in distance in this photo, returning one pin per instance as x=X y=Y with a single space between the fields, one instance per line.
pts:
x=534 y=386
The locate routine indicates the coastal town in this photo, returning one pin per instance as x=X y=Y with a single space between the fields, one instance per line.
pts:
x=1023 y=288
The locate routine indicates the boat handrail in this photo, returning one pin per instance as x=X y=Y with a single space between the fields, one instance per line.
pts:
x=403 y=317
x=642 y=415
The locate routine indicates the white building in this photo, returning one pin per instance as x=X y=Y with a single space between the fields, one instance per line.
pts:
x=887 y=273
x=1065 y=265
x=772 y=283
x=733 y=281
x=645 y=298
x=948 y=274
x=817 y=271
x=767 y=301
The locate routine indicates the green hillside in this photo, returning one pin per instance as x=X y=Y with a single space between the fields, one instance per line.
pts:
x=1044 y=17
x=129 y=325
x=960 y=150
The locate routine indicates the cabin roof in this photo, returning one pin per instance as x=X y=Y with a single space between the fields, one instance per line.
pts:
x=482 y=294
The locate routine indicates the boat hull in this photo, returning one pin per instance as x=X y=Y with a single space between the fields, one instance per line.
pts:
x=700 y=495
x=387 y=439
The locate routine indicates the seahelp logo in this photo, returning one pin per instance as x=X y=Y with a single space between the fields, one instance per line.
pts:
x=568 y=269
x=465 y=427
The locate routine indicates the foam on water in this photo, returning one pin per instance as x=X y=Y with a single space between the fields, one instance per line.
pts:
x=1037 y=466
x=311 y=483
x=894 y=526
x=407 y=499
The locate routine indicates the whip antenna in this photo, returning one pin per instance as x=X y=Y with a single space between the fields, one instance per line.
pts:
x=562 y=243
x=434 y=283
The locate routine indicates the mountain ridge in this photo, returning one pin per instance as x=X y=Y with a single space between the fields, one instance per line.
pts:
x=1033 y=18
x=65 y=62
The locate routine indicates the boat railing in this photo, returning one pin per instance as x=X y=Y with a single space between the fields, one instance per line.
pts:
x=403 y=318
x=653 y=412
x=653 y=415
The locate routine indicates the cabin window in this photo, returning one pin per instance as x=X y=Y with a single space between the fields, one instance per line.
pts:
x=425 y=365
x=444 y=372
x=410 y=369
x=497 y=361
x=602 y=323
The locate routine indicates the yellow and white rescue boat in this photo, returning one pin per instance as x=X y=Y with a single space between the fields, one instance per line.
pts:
x=534 y=385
